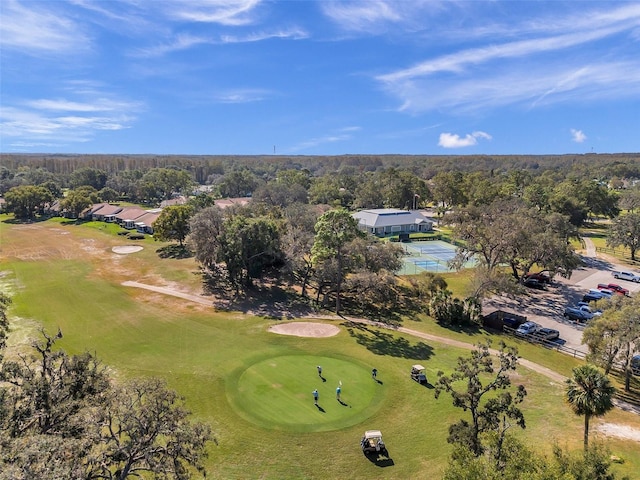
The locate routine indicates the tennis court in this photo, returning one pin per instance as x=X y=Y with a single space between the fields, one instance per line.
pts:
x=427 y=256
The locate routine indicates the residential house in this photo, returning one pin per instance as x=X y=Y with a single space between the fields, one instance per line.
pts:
x=391 y=221
x=144 y=223
x=127 y=217
x=181 y=200
x=106 y=213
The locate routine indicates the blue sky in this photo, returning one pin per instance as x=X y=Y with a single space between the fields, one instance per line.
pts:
x=319 y=78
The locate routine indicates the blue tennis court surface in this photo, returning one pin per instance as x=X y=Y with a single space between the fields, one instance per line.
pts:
x=427 y=256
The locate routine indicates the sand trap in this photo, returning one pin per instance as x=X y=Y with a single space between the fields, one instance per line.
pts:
x=305 y=329
x=124 y=249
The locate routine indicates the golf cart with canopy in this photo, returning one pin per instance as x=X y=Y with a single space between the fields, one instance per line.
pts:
x=418 y=373
x=372 y=443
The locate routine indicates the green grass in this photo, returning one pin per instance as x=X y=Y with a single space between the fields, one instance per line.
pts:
x=276 y=393
x=222 y=363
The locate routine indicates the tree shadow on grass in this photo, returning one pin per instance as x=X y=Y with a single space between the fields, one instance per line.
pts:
x=174 y=251
x=468 y=329
x=271 y=302
x=383 y=343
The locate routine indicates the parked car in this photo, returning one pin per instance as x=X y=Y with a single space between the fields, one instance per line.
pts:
x=588 y=309
x=577 y=315
x=541 y=277
x=592 y=297
x=547 y=333
x=533 y=283
x=606 y=293
x=614 y=287
x=527 y=328
x=635 y=365
x=630 y=276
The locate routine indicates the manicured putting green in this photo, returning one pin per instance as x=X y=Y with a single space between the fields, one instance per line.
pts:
x=276 y=393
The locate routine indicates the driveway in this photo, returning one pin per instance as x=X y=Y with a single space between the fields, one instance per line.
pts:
x=547 y=306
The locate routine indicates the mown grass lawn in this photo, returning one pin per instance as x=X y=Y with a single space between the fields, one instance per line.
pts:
x=264 y=420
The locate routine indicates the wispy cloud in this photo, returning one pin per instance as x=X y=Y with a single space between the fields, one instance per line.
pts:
x=36 y=28
x=372 y=17
x=292 y=33
x=361 y=15
x=223 y=12
x=578 y=136
x=246 y=95
x=341 y=135
x=185 y=41
x=63 y=121
x=534 y=70
x=178 y=43
x=453 y=140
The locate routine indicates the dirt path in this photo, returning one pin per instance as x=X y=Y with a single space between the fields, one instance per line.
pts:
x=169 y=291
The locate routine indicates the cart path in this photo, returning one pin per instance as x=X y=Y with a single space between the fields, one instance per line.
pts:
x=555 y=376
x=465 y=345
x=170 y=291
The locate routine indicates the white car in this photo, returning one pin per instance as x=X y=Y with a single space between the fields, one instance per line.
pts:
x=527 y=328
x=630 y=276
x=604 y=293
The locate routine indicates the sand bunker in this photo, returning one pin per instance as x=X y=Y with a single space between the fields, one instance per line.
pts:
x=124 y=249
x=305 y=329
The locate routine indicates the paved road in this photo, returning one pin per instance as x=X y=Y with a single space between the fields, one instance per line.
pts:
x=547 y=307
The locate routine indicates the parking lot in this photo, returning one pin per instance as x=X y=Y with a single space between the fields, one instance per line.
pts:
x=546 y=307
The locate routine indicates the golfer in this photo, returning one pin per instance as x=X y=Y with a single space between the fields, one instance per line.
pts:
x=338 y=390
x=315 y=396
x=319 y=370
x=374 y=373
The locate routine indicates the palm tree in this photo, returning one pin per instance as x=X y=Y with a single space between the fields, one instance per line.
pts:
x=589 y=393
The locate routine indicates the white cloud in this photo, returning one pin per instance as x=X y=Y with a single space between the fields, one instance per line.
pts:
x=62 y=120
x=292 y=33
x=32 y=28
x=223 y=12
x=241 y=96
x=578 y=136
x=537 y=85
x=342 y=135
x=180 y=42
x=184 y=42
x=549 y=66
x=360 y=16
x=453 y=140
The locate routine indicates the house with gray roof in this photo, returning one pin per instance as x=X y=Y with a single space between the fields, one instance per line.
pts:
x=391 y=221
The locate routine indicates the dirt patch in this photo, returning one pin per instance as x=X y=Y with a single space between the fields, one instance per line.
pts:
x=621 y=431
x=305 y=329
x=125 y=249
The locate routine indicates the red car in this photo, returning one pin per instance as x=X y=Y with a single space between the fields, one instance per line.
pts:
x=541 y=277
x=614 y=287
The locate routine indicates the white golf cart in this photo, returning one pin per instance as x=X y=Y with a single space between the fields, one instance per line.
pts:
x=418 y=373
x=372 y=443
